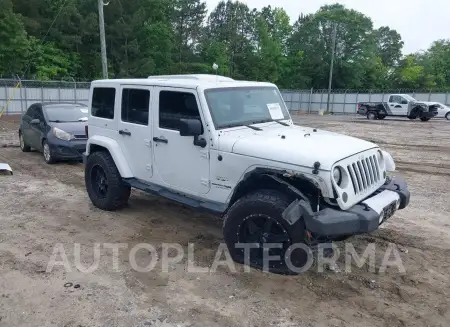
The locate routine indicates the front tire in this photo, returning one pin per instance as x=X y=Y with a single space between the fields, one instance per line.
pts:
x=425 y=118
x=447 y=116
x=104 y=184
x=381 y=117
x=23 y=146
x=47 y=153
x=256 y=220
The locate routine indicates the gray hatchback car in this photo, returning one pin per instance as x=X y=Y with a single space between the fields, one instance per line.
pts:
x=58 y=130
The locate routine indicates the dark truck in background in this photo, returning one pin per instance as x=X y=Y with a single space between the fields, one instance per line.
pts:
x=399 y=105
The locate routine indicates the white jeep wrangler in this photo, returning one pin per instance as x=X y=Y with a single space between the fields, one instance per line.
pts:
x=231 y=148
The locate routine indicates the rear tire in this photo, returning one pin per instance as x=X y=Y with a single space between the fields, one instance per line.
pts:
x=23 y=146
x=257 y=219
x=371 y=115
x=425 y=118
x=104 y=184
x=381 y=117
x=447 y=116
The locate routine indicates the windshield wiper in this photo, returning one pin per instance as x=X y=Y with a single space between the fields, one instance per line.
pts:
x=239 y=124
x=281 y=122
x=253 y=127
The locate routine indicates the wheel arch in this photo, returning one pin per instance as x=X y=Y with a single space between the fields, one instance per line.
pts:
x=101 y=143
x=267 y=178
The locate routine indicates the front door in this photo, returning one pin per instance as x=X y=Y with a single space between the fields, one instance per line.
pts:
x=135 y=129
x=180 y=164
x=398 y=105
x=37 y=130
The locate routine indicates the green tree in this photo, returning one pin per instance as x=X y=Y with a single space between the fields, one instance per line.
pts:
x=411 y=74
x=188 y=17
x=436 y=62
x=48 y=62
x=354 y=47
x=14 y=45
x=389 y=46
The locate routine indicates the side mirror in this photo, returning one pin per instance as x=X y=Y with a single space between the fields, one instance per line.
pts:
x=193 y=127
x=35 y=121
x=190 y=127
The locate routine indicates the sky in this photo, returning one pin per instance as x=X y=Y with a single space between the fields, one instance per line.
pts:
x=419 y=22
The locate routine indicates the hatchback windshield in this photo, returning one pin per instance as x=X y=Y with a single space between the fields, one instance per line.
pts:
x=245 y=105
x=66 y=113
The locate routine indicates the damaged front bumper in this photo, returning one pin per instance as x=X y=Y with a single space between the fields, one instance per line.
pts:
x=364 y=217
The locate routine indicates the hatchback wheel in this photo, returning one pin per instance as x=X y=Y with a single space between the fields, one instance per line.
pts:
x=23 y=146
x=47 y=152
x=447 y=116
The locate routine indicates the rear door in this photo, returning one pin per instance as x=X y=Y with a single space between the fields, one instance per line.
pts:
x=135 y=129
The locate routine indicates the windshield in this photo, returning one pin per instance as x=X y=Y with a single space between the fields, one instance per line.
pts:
x=409 y=98
x=66 y=113
x=241 y=106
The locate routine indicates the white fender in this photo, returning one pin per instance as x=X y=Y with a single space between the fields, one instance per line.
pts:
x=116 y=153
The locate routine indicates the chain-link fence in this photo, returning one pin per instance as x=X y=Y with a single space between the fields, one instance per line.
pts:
x=346 y=101
x=18 y=99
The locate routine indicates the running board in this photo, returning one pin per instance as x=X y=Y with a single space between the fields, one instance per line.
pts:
x=212 y=207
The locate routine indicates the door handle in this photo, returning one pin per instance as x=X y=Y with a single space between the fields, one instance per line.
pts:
x=124 y=132
x=160 y=140
x=392 y=105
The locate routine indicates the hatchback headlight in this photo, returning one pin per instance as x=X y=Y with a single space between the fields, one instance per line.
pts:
x=62 y=135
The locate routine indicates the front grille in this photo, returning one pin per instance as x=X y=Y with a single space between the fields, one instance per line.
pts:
x=364 y=174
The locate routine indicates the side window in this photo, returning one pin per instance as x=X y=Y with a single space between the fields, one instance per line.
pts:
x=30 y=112
x=395 y=99
x=391 y=98
x=135 y=106
x=103 y=102
x=174 y=106
x=39 y=114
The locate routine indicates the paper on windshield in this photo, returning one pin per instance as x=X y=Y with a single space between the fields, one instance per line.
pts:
x=275 y=111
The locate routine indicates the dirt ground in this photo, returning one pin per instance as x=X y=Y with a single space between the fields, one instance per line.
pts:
x=42 y=205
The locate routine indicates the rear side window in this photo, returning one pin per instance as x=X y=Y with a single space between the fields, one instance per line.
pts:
x=103 y=99
x=135 y=106
x=174 y=106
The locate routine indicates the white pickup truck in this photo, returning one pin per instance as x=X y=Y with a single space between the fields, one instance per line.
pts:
x=231 y=148
x=399 y=105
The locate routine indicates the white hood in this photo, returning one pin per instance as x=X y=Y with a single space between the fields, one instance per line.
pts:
x=300 y=145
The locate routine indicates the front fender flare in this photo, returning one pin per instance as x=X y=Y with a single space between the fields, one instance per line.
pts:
x=114 y=150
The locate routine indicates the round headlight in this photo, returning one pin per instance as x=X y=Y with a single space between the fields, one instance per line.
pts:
x=337 y=175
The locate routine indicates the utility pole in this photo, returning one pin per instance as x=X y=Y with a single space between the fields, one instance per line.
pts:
x=331 y=64
x=101 y=21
